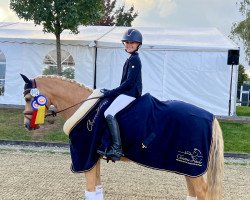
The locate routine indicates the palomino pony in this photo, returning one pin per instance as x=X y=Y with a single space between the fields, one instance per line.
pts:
x=65 y=95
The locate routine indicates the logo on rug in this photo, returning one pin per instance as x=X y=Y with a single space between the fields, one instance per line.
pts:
x=91 y=123
x=191 y=158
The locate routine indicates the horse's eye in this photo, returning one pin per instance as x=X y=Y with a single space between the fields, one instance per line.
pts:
x=27 y=99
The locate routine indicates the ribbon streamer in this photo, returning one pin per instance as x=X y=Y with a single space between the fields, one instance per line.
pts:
x=40 y=115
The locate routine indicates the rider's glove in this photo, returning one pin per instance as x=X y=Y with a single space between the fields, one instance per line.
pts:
x=106 y=93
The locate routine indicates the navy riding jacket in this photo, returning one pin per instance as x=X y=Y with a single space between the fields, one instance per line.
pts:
x=131 y=82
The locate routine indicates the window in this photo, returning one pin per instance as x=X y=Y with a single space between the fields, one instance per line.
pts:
x=67 y=62
x=2 y=72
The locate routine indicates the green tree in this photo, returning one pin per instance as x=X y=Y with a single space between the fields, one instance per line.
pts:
x=58 y=15
x=68 y=72
x=242 y=76
x=119 y=17
x=241 y=30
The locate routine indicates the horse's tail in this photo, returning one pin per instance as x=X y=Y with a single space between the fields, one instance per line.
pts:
x=215 y=171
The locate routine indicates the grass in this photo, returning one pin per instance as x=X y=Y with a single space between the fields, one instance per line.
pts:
x=236 y=135
x=243 y=111
x=11 y=123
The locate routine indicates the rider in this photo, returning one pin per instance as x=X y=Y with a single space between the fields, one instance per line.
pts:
x=130 y=88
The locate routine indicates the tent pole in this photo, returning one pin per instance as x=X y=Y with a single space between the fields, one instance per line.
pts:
x=95 y=42
x=95 y=66
x=230 y=92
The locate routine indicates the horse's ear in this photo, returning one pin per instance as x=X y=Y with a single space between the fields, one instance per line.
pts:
x=26 y=80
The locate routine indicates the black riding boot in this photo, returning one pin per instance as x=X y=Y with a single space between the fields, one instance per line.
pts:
x=115 y=151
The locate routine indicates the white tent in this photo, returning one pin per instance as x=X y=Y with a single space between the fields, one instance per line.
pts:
x=181 y=64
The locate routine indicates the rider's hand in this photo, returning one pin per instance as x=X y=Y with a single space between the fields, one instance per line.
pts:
x=105 y=92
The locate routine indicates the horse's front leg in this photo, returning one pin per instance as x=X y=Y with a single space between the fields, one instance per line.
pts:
x=98 y=184
x=93 y=183
x=98 y=173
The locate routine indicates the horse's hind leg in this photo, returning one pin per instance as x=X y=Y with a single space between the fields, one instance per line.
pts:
x=191 y=191
x=197 y=187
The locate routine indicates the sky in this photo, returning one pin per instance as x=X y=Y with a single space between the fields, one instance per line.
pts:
x=172 y=14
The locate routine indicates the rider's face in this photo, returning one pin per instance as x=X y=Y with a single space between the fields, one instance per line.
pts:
x=131 y=46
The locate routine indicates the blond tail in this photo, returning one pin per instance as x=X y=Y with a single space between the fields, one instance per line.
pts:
x=215 y=171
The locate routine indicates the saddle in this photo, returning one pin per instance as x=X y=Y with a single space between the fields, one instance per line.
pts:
x=166 y=135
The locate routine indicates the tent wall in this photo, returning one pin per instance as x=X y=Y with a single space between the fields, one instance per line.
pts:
x=28 y=59
x=183 y=64
x=201 y=78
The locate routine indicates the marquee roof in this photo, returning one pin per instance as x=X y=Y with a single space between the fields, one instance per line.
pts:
x=110 y=36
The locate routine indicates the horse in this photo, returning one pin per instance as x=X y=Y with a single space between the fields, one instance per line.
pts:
x=65 y=94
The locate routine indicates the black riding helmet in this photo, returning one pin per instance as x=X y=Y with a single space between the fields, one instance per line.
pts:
x=132 y=35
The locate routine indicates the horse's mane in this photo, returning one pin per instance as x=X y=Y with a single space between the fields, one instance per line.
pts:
x=65 y=79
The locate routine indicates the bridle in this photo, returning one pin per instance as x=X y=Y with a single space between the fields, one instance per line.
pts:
x=27 y=88
x=32 y=85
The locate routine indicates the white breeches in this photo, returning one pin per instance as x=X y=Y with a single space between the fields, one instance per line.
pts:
x=118 y=104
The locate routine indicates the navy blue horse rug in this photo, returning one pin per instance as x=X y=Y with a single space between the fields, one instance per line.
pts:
x=171 y=135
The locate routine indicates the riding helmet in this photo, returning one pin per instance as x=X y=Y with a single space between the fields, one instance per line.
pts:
x=132 y=35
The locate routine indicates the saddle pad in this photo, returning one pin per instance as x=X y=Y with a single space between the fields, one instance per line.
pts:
x=81 y=112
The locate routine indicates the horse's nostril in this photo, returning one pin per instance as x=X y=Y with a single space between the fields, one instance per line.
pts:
x=27 y=126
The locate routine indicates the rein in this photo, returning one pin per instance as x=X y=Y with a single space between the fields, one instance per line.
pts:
x=54 y=113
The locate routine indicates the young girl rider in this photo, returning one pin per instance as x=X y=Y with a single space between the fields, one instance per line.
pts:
x=130 y=88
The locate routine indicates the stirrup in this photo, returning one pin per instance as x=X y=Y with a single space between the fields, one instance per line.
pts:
x=102 y=153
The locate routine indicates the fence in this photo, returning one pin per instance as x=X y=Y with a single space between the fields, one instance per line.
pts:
x=244 y=94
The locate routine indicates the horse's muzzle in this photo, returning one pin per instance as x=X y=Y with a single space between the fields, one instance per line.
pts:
x=27 y=126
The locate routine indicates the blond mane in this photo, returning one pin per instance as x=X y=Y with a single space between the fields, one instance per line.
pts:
x=65 y=79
